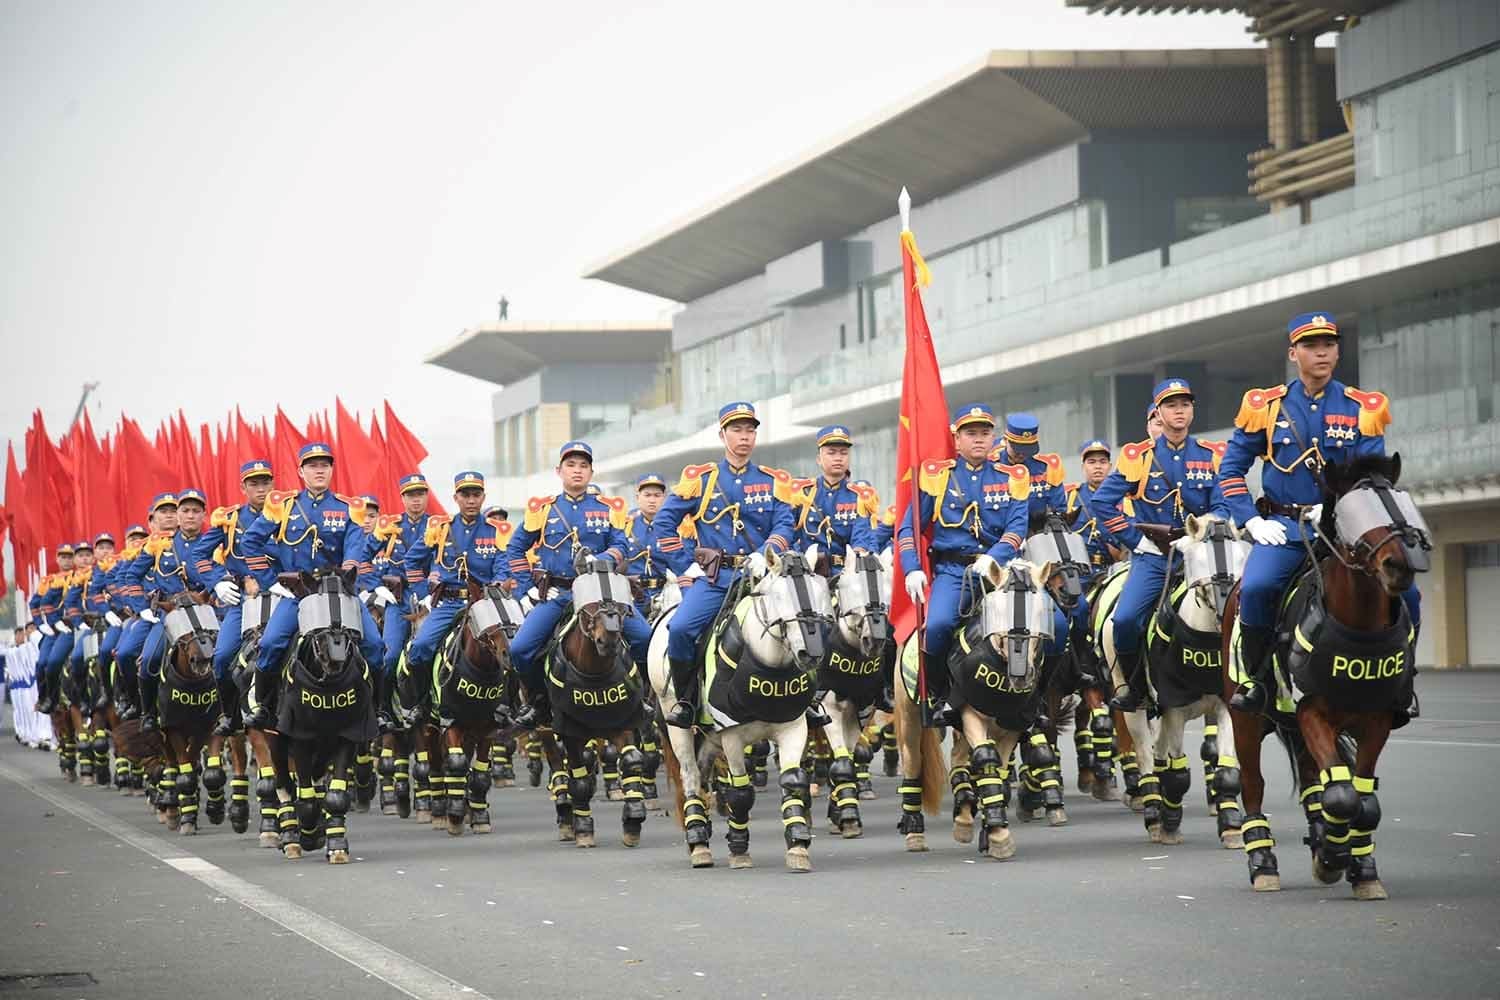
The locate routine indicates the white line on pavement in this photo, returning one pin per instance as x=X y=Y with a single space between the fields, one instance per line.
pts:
x=1445 y=743
x=404 y=974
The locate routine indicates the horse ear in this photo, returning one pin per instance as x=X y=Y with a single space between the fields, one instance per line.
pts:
x=1395 y=468
x=996 y=574
x=1040 y=574
x=773 y=558
x=1333 y=476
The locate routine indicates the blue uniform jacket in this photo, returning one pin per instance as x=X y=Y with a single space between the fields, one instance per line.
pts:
x=301 y=533
x=1164 y=485
x=558 y=524
x=644 y=559
x=220 y=551
x=836 y=516
x=737 y=511
x=1294 y=434
x=973 y=510
x=1096 y=536
x=459 y=550
x=164 y=566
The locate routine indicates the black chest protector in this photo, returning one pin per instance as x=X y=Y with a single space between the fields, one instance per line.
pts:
x=981 y=680
x=850 y=674
x=748 y=690
x=1357 y=671
x=339 y=705
x=186 y=706
x=591 y=705
x=1185 y=663
x=466 y=692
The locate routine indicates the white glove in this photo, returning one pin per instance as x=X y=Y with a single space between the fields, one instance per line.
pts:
x=1313 y=514
x=383 y=596
x=113 y=619
x=228 y=592
x=984 y=565
x=62 y=627
x=755 y=565
x=364 y=597
x=534 y=595
x=425 y=603
x=281 y=591
x=45 y=629
x=916 y=586
x=1147 y=547
x=149 y=616
x=692 y=571
x=1266 y=531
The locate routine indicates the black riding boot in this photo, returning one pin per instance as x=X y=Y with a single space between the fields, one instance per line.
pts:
x=1135 y=682
x=685 y=682
x=385 y=713
x=48 y=700
x=149 y=686
x=538 y=711
x=229 y=705
x=127 y=696
x=816 y=716
x=939 y=711
x=1255 y=654
x=265 y=689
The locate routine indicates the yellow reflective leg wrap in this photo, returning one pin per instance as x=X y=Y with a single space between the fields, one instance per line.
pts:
x=1257 y=834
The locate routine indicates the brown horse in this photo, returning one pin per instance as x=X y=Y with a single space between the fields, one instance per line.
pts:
x=469 y=684
x=188 y=705
x=1352 y=667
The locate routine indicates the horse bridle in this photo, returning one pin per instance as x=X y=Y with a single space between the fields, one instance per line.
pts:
x=794 y=568
x=876 y=613
x=1361 y=554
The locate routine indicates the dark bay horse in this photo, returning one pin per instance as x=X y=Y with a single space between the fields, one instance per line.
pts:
x=188 y=706
x=1349 y=666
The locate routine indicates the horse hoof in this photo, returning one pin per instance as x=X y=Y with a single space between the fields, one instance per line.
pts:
x=505 y=783
x=1103 y=792
x=963 y=832
x=161 y=815
x=814 y=789
x=1027 y=815
x=1085 y=781
x=1371 y=890
x=338 y=857
x=653 y=804
x=614 y=795
x=1153 y=833
x=701 y=856
x=1171 y=837
x=564 y=832
x=1002 y=845
x=1135 y=804
x=834 y=826
x=1266 y=883
x=389 y=811
x=187 y=829
x=1324 y=874
x=361 y=807
x=852 y=830
x=269 y=840
x=456 y=829
x=1231 y=840
x=630 y=838
x=439 y=822
x=482 y=828
x=292 y=851
x=737 y=861
x=797 y=860
x=1057 y=817
x=917 y=842
x=868 y=795
x=583 y=840
x=172 y=822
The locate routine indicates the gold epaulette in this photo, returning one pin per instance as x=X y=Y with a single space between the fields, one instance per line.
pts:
x=782 y=483
x=387 y=526
x=1374 y=410
x=220 y=517
x=889 y=517
x=869 y=500
x=932 y=478
x=1132 y=461
x=503 y=531
x=536 y=513
x=1218 y=448
x=1055 y=472
x=1258 y=408
x=691 y=483
x=159 y=542
x=278 y=506
x=619 y=511
x=437 y=528
x=1019 y=480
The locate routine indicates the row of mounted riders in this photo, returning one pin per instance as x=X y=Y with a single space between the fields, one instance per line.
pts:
x=782 y=642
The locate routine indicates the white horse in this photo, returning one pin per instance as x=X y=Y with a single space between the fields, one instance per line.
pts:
x=1213 y=557
x=852 y=677
x=783 y=623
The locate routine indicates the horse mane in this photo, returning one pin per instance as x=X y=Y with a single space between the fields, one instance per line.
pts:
x=1341 y=477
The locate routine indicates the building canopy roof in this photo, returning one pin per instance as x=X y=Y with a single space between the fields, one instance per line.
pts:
x=507 y=351
x=1005 y=108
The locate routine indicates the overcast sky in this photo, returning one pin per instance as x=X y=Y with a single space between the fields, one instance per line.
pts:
x=215 y=202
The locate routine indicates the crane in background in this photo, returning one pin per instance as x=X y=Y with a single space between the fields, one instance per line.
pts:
x=88 y=388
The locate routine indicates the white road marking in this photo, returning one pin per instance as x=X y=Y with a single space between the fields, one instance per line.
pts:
x=404 y=974
x=1445 y=743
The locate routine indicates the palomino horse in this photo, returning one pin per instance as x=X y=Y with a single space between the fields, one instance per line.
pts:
x=188 y=706
x=1348 y=673
x=997 y=683
x=597 y=693
x=469 y=680
x=853 y=677
x=326 y=712
x=763 y=656
x=1181 y=650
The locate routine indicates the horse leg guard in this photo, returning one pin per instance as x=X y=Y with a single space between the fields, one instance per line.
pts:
x=609 y=766
x=479 y=793
x=1175 y=782
x=456 y=770
x=795 y=794
x=421 y=775
x=67 y=758
x=403 y=786
x=309 y=817
x=961 y=780
x=912 y=820
x=1149 y=786
x=1130 y=770
x=843 y=796
x=1340 y=806
x=505 y=768
x=534 y=761
x=336 y=835
x=1208 y=752
x=1102 y=734
x=265 y=794
x=1083 y=747
x=187 y=794
x=632 y=763
x=86 y=761
x=1362 y=836
x=122 y=772
x=739 y=797
x=286 y=830
x=1312 y=810
x=214 y=780
x=864 y=788
x=1043 y=762
x=239 y=803
x=697 y=827
x=386 y=768
x=994 y=795
x=581 y=794
x=1264 y=875
x=364 y=781
x=650 y=764
x=1226 y=794
x=760 y=752
x=166 y=793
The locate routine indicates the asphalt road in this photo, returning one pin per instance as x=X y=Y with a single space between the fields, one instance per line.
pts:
x=91 y=885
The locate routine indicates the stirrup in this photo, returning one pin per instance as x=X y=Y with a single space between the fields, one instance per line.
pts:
x=1251 y=697
x=683 y=715
x=150 y=723
x=942 y=714
x=224 y=727
x=816 y=715
x=1130 y=701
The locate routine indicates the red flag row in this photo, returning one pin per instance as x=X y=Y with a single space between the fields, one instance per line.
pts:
x=85 y=484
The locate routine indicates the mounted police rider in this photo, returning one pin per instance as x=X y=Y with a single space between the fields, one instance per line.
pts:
x=643 y=562
x=1295 y=429
x=391 y=542
x=978 y=509
x=561 y=526
x=452 y=551
x=1104 y=548
x=96 y=598
x=832 y=511
x=222 y=563
x=68 y=646
x=736 y=511
x=47 y=613
x=310 y=531
x=1165 y=479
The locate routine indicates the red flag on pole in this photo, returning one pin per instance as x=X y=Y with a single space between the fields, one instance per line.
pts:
x=383 y=483
x=19 y=523
x=923 y=433
x=404 y=454
x=144 y=469
x=359 y=458
x=284 y=448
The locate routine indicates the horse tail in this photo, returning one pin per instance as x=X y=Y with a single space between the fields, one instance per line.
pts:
x=674 y=778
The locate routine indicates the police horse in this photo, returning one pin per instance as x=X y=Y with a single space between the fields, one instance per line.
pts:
x=997 y=685
x=1181 y=655
x=1343 y=675
x=188 y=707
x=852 y=678
x=761 y=660
x=326 y=713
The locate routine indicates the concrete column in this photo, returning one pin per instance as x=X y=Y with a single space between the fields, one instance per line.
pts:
x=1307 y=89
x=1280 y=114
x=1444 y=611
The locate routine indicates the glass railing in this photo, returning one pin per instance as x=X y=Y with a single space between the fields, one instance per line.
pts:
x=662 y=424
x=1446 y=456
